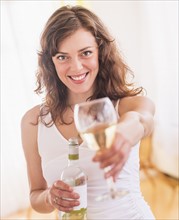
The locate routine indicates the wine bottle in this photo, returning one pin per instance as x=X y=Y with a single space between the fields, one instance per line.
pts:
x=74 y=175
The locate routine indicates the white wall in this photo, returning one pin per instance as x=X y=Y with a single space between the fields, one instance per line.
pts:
x=21 y=25
x=147 y=33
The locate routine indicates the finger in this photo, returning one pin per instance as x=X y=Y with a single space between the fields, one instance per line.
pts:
x=55 y=193
x=65 y=204
x=118 y=165
x=63 y=209
x=60 y=207
x=62 y=185
x=104 y=154
x=107 y=153
x=111 y=161
x=64 y=194
x=114 y=171
x=117 y=157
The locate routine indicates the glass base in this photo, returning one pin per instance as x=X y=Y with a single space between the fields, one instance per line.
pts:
x=113 y=195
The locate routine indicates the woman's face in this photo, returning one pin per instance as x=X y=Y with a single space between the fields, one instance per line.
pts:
x=77 y=62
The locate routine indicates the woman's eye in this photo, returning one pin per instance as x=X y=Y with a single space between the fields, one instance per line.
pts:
x=62 y=58
x=87 y=53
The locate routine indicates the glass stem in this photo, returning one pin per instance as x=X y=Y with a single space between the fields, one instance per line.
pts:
x=111 y=184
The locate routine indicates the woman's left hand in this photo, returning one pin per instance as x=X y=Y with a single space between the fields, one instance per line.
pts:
x=136 y=122
x=116 y=156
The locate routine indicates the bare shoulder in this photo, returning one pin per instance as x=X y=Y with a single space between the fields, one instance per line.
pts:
x=29 y=126
x=31 y=116
x=29 y=131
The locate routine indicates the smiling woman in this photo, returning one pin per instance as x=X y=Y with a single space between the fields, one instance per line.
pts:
x=77 y=63
x=147 y=32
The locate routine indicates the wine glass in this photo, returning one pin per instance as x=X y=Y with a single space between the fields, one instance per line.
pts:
x=96 y=122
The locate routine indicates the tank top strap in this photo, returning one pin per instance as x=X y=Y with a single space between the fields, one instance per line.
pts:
x=117 y=107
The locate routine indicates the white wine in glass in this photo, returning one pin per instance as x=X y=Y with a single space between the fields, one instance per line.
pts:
x=96 y=122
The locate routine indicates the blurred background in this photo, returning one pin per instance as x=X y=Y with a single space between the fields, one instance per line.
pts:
x=147 y=35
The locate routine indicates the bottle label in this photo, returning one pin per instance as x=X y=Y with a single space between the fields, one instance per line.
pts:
x=78 y=212
x=82 y=191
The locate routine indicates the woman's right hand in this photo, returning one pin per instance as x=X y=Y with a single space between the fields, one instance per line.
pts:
x=62 y=197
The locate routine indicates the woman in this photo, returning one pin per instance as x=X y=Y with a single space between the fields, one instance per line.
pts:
x=79 y=62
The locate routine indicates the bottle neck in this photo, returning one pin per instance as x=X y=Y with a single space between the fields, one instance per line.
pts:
x=73 y=155
x=72 y=162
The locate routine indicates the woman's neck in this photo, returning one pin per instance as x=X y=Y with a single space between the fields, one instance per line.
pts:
x=77 y=98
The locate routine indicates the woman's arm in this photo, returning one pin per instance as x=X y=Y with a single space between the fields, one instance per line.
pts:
x=136 y=122
x=136 y=118
x=42 y=199
x=37 y=184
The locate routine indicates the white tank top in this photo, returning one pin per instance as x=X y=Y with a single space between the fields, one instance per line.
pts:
x=53 y=149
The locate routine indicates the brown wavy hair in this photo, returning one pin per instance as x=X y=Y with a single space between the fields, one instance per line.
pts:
x=112 y=79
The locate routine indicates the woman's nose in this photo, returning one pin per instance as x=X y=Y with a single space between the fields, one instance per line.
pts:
x=76 y=65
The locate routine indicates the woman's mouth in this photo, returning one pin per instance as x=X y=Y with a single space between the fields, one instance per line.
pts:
x=78 y=78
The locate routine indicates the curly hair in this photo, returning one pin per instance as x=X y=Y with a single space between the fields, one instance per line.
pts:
x=112 y=78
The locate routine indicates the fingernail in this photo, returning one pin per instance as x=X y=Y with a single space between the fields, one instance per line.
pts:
x=95 y=159
x=76 y=195
x=107 y=175
x=77 y=203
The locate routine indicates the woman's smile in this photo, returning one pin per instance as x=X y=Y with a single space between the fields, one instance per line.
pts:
x=79 y=78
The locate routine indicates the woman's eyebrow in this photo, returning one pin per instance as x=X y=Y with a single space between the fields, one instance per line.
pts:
x=59 y=52
x=85 y=48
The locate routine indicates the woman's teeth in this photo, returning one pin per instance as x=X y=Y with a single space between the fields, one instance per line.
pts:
x=76 y=78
